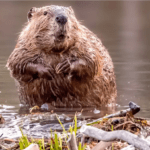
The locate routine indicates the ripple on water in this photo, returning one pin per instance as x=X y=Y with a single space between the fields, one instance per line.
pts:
x=38 y=125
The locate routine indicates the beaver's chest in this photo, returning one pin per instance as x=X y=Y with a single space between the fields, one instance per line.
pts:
x=54 y=59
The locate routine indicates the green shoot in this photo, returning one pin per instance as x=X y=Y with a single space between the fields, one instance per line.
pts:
x=75 y=124
x=55 y=142
x=61 y=124
x=23 y=142
x=112 y=127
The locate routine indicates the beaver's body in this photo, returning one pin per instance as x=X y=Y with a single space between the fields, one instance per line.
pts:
x=59 y=61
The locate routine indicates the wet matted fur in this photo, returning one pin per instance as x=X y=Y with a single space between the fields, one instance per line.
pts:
x=62 y=64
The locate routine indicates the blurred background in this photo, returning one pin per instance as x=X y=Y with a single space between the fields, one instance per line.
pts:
x=124 y=29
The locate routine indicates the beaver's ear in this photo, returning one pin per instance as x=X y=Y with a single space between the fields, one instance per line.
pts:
x=70 y=8
x=30 y=13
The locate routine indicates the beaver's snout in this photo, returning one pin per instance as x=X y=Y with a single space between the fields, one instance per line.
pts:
x=60 y=37
x=61 y=19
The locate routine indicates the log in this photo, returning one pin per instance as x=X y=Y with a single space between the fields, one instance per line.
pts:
x=115 y=135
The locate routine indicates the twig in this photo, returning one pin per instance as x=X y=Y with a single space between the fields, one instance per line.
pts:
x=123 y=124
x=3 y=146
x=82 y=140
x=73 y=142
x=115 y=135
x=102 y=145
x=134 y=108
x=15 y=146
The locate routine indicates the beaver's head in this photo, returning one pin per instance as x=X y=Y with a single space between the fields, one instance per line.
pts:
x=51 y=28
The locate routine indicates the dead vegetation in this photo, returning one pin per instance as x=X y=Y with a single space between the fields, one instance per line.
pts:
x=138 y=129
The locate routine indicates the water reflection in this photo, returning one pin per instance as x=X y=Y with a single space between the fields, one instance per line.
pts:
x=123 y=28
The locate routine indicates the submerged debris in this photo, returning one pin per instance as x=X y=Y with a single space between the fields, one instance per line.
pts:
x=2 y=120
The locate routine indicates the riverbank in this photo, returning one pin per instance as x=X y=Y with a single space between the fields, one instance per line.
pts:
x=116 y=131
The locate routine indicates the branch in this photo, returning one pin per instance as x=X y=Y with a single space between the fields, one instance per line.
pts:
x=133 y=109
x=72 y=142
x=115 y=135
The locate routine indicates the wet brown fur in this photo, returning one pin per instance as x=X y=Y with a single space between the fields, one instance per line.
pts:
x=90 y=79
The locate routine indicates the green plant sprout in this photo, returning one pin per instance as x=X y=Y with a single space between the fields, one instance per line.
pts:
x=56 y=143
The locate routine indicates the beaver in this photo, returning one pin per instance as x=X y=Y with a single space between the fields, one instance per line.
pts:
x=59 y=61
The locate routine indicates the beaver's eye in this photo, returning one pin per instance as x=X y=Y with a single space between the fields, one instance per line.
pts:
x=29 y=15
x=45 y=13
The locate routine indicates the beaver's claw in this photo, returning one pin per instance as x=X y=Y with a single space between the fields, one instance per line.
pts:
x=63 y=67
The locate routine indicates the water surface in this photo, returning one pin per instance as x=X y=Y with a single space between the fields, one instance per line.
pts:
x=123 y=28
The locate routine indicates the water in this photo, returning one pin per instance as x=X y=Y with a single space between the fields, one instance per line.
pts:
x=124 y=30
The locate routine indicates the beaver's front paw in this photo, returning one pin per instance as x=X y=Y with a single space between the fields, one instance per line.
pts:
x=45 y=72
x=63 y=67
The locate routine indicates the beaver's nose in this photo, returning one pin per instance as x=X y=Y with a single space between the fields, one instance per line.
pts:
x=61 y=19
